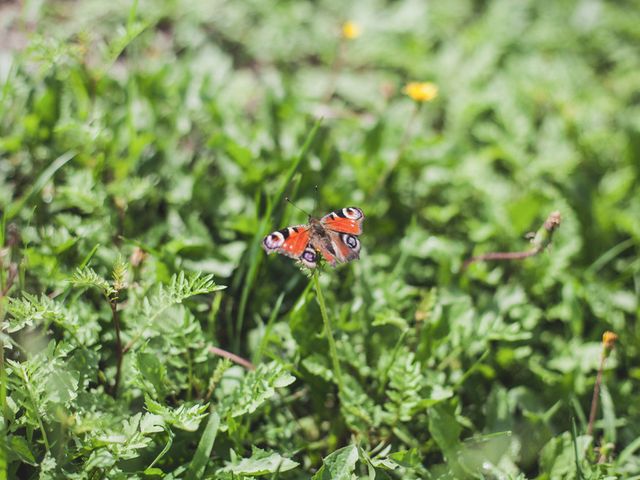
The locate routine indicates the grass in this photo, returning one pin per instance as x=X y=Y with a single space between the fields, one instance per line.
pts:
x=145 y=150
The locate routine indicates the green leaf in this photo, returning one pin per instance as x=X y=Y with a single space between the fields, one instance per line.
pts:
x=153 y=371
x=405 y=384
x=14 y=208
x=32 y=311
x=88 y=278
x=19 y=447
x=255 y=389
x=445 y=430
x=339 y=465
x=201 y=457
x=183 y=417
x=558 y=457
x=407 y=458
x=608 y=415
x=260 y=463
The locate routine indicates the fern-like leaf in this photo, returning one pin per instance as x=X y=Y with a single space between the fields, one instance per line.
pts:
x=256 y=388
x=179 y=289
x=31 y=310
x=119 y=274
x=405 y=384
x=88 y=278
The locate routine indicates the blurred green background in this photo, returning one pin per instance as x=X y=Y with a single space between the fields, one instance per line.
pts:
x=148 y=141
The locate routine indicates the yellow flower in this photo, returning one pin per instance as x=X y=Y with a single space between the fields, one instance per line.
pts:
x=421 y=91
x=609 y=339
x=351 y=30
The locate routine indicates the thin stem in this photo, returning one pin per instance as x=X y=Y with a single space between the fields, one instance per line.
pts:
x=501 y=256
x=541 y=239
x=267 y=330
x=232 y=356
x=189 y=374
x=119 y=352
x=596 y=393
x=3 y=396
x=333 y=351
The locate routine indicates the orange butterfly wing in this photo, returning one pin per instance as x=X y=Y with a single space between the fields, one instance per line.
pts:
x=347 y=220
x=292 y=242
x=343 y=226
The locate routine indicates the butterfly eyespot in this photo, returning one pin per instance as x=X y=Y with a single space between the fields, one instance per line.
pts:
x=273 y=240
x=352 y=212
x=351 y=241
x=309 y=255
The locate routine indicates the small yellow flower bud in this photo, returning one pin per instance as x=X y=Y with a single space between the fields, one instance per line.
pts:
x=351 y=30
x=609 y=339
x=421 y=91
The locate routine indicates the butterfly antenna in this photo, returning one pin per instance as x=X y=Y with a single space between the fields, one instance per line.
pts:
x=287 y=199
x=315 y=199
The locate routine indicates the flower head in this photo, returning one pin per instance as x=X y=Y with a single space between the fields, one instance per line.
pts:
x=351 y=30
x=421 y=91
x=609 y=340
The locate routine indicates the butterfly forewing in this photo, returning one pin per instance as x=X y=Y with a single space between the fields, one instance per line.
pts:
x=345 y=220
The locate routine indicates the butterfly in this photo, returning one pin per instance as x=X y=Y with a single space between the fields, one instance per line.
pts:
x=334 y=236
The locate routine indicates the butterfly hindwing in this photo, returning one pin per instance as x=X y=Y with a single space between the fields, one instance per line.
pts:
x=346 y=246
x=346 y=220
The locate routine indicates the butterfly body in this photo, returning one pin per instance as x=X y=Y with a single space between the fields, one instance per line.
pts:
x=334 y=237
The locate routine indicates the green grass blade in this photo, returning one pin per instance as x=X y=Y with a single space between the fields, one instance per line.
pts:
x=574 y=438
x=14 y=208
x=164 y=450
x=201 y=457
x=267 y=330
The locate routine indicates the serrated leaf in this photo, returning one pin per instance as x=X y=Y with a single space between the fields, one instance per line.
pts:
x=86 y=277
x=407 y=458
x=405 y=384
x=338 y=465
x=19 y=447
x=153 y=371
x=30 y=310
x=256 y=388
x=179 y=289
x=260 y=463
x=151 y=423
x=183 y=417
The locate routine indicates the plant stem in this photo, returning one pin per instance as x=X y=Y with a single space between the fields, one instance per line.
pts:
x=119 y=353
x=267 y=330
x=333 y=351
x=596 y=394
x=540 y=240
x=189 y=374
x=3 y=402
x=232 y=356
